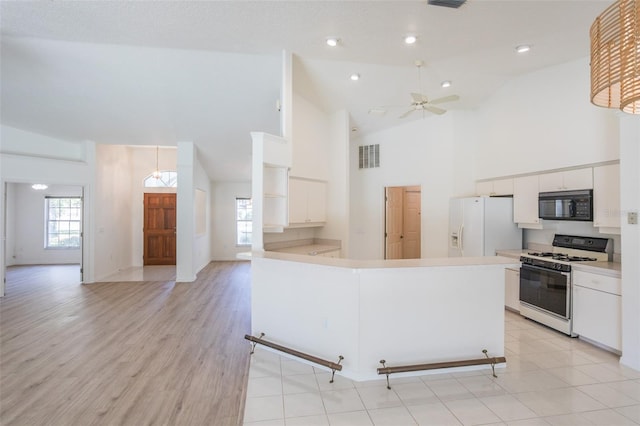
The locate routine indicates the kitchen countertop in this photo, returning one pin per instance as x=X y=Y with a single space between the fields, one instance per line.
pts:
x=381 y=264
x=612 y=269
x=514 y=253
x=309 y=249
x=604 y=268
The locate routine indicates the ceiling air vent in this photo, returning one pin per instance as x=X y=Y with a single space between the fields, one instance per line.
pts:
x=369 y=156
x=447 y=3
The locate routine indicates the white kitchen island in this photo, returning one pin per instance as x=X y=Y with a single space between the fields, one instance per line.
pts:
x=403 y=311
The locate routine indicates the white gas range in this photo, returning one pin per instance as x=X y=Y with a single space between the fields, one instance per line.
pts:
x=545 y=278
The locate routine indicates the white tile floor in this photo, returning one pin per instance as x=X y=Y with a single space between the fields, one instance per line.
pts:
x=550 y=379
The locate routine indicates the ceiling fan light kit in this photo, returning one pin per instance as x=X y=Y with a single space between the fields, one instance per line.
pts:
x=615 y=57
x=420 y=102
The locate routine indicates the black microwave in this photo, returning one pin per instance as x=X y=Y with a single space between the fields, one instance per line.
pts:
x=566 y=205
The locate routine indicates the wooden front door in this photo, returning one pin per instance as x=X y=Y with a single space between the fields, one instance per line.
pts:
x=159 y=229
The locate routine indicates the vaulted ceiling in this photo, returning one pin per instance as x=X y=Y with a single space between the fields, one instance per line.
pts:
x=155 y=73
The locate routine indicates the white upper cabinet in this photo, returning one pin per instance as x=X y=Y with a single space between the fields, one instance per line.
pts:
x=606 y=198
x=307 y=202
x=495 y=187
x=525 y=201
x=566 y=180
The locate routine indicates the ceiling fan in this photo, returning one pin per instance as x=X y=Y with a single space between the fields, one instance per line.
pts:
x=421 y=102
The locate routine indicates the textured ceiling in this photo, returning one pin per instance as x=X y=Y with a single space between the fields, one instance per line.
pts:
x=160 y=72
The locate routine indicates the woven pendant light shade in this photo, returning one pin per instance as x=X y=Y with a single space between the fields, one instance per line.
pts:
x=615 y=57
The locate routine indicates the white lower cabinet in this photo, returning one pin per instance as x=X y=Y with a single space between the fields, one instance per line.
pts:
x=597 y=308
x=512 y=289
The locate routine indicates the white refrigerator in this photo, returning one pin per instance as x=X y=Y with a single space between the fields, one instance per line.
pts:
x=478 y=226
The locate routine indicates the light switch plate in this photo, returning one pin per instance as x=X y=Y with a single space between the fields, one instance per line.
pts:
x=632 y=218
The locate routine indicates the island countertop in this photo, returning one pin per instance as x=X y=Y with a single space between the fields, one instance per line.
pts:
x=382 y=264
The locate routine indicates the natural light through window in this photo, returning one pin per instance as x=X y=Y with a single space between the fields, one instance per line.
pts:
x=167 y=179
x=243 y=221
x=64 y=217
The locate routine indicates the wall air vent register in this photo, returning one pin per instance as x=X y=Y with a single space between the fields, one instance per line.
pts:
x=368 y=156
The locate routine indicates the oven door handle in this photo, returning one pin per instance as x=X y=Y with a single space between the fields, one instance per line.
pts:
x=539 y=268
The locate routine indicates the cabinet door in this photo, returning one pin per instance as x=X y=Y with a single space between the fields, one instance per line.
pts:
x=578 y=179
x=598 y=316
x=549 y=182
x=503 y=187
x=512 y=289
x=297 y=201
x=484 y=188
x=525 y=199
x=316 y=201
x=606 y=196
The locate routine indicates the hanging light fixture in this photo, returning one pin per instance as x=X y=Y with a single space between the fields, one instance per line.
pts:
x=156 y=172
x=615 y=57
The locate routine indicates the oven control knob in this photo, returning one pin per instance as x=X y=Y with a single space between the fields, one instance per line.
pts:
x=558 y=266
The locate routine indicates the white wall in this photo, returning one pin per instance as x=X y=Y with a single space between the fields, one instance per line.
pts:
x=202 y=242
x=420 y=152
x=112 y=226
x=542 y=121
x=193 y=250
x=73 y=165
x=310 y=139
x=10 y=226
x=337 y=145
x=223 y=206
x=630 y=202
x=26 y=230
x=143 y=161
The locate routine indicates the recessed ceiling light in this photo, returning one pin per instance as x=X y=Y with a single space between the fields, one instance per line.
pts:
x=523 y=48
x=445 y=84
x=355 y=77
x=333 y=41
x=39 y=186
x=410 y=39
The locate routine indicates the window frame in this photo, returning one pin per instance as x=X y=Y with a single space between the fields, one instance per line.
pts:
x=69 y=233
x=245 y=221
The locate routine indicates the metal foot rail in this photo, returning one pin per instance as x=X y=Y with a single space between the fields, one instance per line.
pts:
x=448 y=364
x=329 y=364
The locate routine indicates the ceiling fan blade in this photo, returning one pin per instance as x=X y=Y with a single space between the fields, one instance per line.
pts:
x=445 y=99
x=407 y=113
x=434 y=110
x=419 y=98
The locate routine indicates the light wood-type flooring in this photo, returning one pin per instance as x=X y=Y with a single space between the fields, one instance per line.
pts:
x=124 y=353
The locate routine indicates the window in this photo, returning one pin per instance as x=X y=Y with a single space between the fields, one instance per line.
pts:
x=243 y=221
x=166 y=179
x=63 y=217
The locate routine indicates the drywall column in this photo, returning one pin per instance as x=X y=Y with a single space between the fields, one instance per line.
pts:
x=286 y=103
x=630 y=202
x=185 y=223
